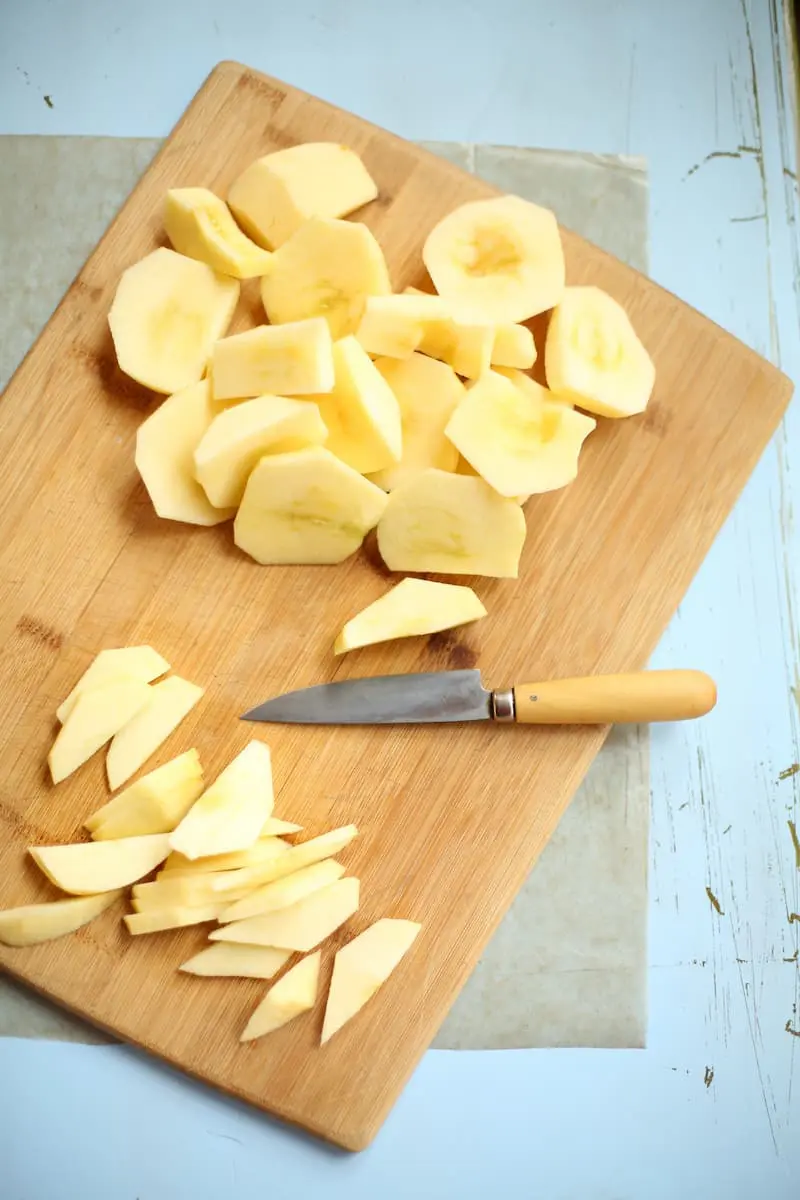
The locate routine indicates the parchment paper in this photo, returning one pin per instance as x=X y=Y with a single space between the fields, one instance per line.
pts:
x=567 y=966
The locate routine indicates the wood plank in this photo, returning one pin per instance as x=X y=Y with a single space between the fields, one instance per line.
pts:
x=452 y=819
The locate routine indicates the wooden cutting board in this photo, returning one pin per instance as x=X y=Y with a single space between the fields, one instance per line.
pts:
x=451 y=818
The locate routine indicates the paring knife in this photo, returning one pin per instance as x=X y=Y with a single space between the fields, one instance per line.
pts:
x=445 y=696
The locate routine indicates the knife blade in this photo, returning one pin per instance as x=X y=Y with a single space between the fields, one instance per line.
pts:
x=450 y=696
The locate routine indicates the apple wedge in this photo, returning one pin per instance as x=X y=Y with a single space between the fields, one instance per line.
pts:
x=200 y=226
x=154 y=804
x=175 y=917
x=301 y=926
x=264 y=850
x=410 y=608
x=299 y=856
x=187 y=891
x=361 y=414
x=295 y=993
x=513 y=347
x=465 y=348
x=428 y=393
x=275 y=827
x=394 y=326
x=127 y=662
x=283 y=360
x=362 y=966
x=170 y=701
x=281 y=893
x=232 y=961
x=34 y=923
x=97 y=715
x=231 y=813
x=530 y=387
x=86 y=868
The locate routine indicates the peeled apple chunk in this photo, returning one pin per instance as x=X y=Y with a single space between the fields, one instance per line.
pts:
x=261 y=851
x=513 y=347
x=165 y=446
x=274 y=827
x=240 y=436
x=200 y=226
x=153 y=804
x=428 y=392
x=301 y=926
x=306 y=507
x=302 y=855
x=170 y=701
x=174 y=917
x=327 y=269
x=445 y=524
x=496 y=261
x=98 y=714
x=127 y=662
x=294 y=359
x=593 y=356
x=281 y=893
x=516 y=445
x=530 y=387
x=361 y=414
x=167 y=313
x=34 y=923
x=86 y=868
x=465 y=348
x=413 y=606
x=362 y=966
x=230 y=814
x=276 y=194
x=229 y=960
x=186 y=891
x=395 y=325
x=295 y=993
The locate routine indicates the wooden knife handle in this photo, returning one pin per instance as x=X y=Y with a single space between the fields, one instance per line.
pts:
x=612 y=699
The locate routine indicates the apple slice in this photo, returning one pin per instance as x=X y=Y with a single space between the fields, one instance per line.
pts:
x=264 y=850
x=531 y=388
x=466 y=348
x=86 y=868
x=295 y=993
x=175 y=917
x=169 y=703
x=394 y=326
x=428 y=392
x=34 y=923
x=301 y=926
x=97 y=715
x=109 y=666
x=301 y=855
x=513 y=346
x=362 y=966
x=200 y=226
x=154 y=804
x=187 y=891
x=232 y=961
x=274 y=827
x=277 y=360
x=231 y=813
x=410 y=608
x=281 y=893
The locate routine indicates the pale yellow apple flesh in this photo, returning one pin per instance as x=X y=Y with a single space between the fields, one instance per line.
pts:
x=175 y=917
x=428 y=392
x=362 y=966
x=170 y=701
x=283 y=892
x=126 y=662
x=229 y=960
x=231 y=812
x=97 y=715
x=513 y=347
x=34 y=923
x=86 y=868
x=277 y=360
x=262 y=851
x=200 y=226
x=394 y=326
x=294 y=993
x=301 y=926
x=153 y=804
x=412 y=607
x=301 y=855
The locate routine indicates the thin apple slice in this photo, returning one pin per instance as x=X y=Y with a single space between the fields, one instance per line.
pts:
x=98 y=714
x=410 y=608
x=34 y=923
x=274 y=827
x=176 y=917
x=126 y=662
x=301 y=855
x=281 y=893
x=182 y=890
x=153 y=804
x=301 y=926
x=86 y=868
x=261 y=851
x=170 y=701
x=428 y=392
x=295 y=993
x=232 y=961
x=231 y=813
x=362 y=966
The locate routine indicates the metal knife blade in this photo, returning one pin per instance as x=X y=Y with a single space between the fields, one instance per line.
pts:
x=433 y=697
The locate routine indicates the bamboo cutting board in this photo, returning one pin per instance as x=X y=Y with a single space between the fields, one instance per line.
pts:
x=451 y=819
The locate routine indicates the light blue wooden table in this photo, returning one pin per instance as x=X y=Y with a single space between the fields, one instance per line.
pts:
x=703 y=88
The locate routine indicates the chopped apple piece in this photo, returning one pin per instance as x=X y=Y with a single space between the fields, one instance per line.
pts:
x=232 y=961
x=301 y=926
x=34 y=923
x=169 y=703
x=327 y=269
x=285 y=360
x=411 y=607
x=301 y=855
x=496 y=261
x=451 y=525
x=530 y=387
x=516 y=445
x=230 y=814
x=362 y=966
x=513 y=346
x=281 y=191
x=240 y=436
x=154 y=804
x=274 y=827
x=176 y=917
x=428 y=392
x=127 y=662
x=97 y=715
x=306 y=507
x=361 y=414
x=185 y=891
x=200 y=226
x=264 y=850
x=86 y=868
x=593 y=355
x=281 y=893
x=395 y=325
x=295 y=993
x=167 y=313
x=165 y=446
x=465 y=348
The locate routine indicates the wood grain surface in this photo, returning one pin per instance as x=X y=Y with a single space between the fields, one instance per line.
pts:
x=451 y=819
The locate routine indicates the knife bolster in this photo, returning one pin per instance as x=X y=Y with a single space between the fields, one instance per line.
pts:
x=504 y=706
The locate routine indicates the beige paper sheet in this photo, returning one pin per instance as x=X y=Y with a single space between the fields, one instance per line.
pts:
x=567 y=967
